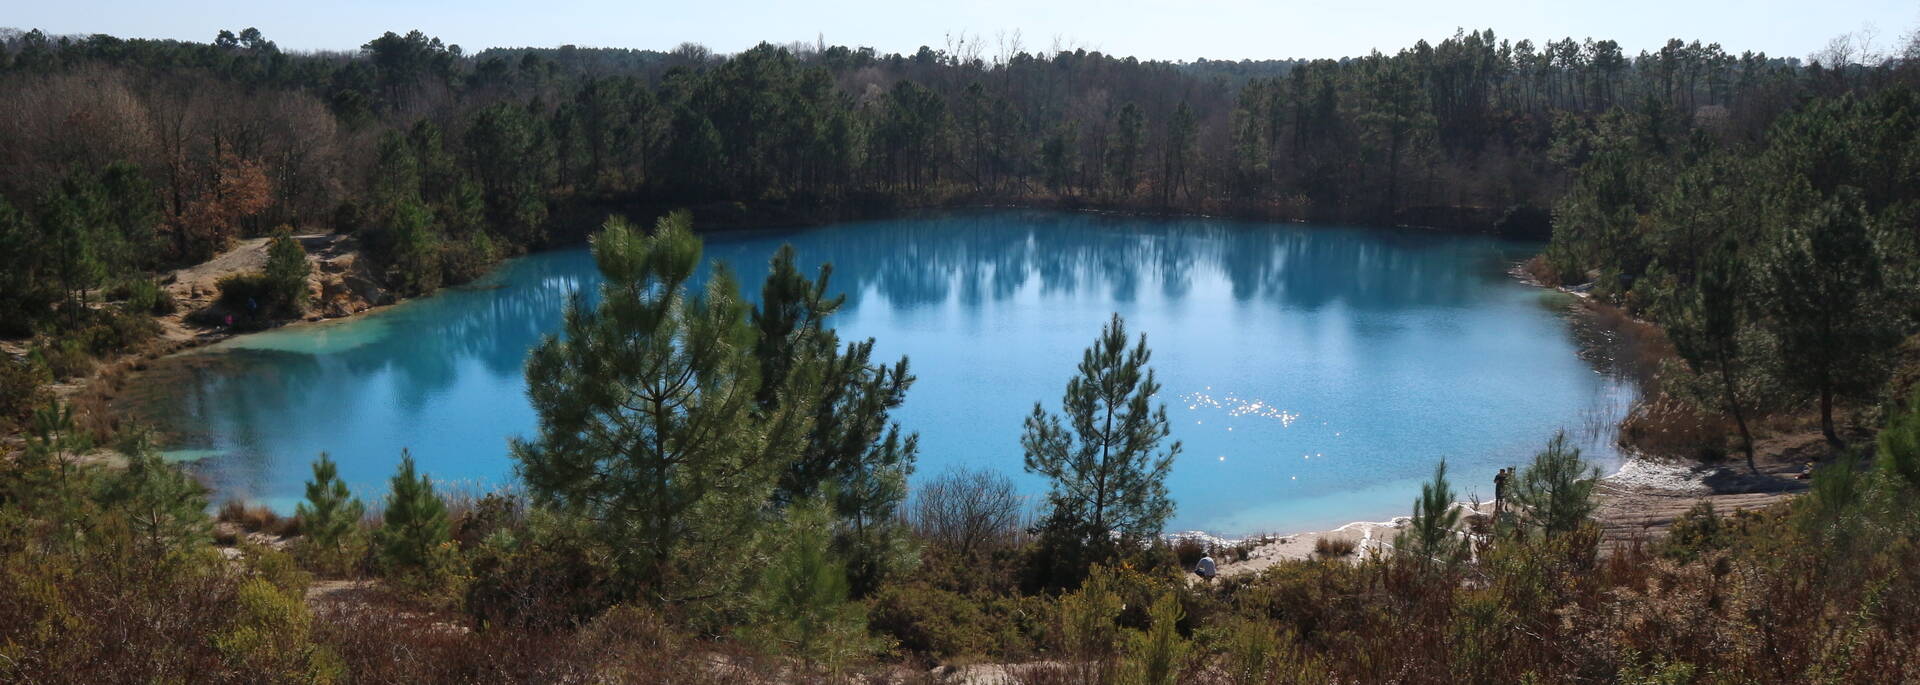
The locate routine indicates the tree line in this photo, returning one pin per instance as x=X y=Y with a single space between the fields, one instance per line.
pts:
x=450 y=160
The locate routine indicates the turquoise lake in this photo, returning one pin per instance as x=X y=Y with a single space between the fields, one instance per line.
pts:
x=1314 y=374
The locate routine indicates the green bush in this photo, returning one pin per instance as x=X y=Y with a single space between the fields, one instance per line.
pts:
x=1696 y=531
x=247 y=297
x=142 y=295
x=22 y=389
x=930 y=621
x=546 y=574
x=1157 y=655
x=115 y=329
x=64 y=358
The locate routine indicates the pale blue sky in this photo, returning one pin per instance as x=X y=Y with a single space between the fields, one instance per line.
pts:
x=1165 y=29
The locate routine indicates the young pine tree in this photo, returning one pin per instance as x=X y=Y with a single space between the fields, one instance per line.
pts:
x=648 y=419
x=1554 y=494
x=414 y=524
x=165 y=507
x=287 y=271
x=330 y=513
x=801 y=600
x=1108 y=471
x=1430 y=539
x=1900 y=444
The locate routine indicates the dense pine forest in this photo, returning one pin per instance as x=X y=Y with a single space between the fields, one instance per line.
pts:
x=718 y=492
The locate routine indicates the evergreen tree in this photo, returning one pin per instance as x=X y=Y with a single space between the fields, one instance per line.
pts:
x=74 y=243
x=1430 y=537
x=1706 y=333
x=1554 y=493
x=802 y=599
x=287 y=270
x=1129 y=142
x=165 y=507
x=1900 y=444
x=415 y=521
x=853 y=450
x=1107 y=469
x=648 y=421
x=1827 y=289
x=330 y=513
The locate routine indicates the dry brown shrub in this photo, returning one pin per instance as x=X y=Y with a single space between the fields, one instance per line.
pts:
x=1329 y=547
x=1671 y=427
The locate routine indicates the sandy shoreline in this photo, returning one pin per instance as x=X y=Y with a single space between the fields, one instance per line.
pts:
x=1640 y=500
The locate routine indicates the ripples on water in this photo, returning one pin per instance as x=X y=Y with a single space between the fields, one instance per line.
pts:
x=1314 y=374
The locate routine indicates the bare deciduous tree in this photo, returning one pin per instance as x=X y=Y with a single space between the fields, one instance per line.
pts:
x=967 y=510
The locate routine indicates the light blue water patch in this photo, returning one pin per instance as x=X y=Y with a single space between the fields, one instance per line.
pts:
x=1314 y=375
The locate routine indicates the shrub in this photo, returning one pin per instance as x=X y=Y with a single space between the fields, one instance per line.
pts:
x=247 y=296
x=930 y=621
x=22 y=389
x=257 y=519
x=146 y=297
x=1696 y=531
x=967 y=511
x=1328 y=546
x=64 y=358
x=271 y=637
x=547 y=573
x=1187 y=552
x=1157 y=655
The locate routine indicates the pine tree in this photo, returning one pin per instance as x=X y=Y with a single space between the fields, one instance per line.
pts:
x=166 y=507
x=1900 y=443
x=648 y=419
x=1108 y=472
x=1706 y=333
x=287 y=271
x=1554 y=494
x=1827 y=292
x=1430 y=538
x=853 y=450
x=414 y=523
x=802 y=599
x=330 y=512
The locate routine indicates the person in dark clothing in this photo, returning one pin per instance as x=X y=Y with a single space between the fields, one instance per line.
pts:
x=1500 y=491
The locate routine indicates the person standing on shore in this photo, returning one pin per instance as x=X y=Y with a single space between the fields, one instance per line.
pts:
x=1500 y=491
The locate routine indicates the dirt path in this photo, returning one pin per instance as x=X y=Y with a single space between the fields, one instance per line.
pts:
x=1647 y=495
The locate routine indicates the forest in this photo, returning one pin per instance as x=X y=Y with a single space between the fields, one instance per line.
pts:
x=718 y=491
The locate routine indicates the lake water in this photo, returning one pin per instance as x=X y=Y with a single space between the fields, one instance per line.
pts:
x=1314 y=374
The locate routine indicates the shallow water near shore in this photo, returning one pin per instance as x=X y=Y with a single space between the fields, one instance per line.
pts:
x=1313 y=374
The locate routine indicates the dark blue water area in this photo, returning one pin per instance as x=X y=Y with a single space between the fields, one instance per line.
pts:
x=1314 y=375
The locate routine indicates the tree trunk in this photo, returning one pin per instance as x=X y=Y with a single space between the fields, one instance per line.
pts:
x=1826 y=418
x=1739 y=417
